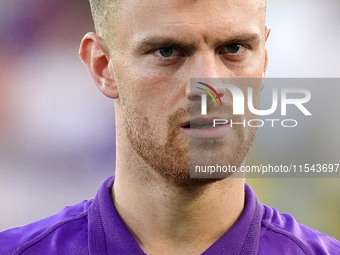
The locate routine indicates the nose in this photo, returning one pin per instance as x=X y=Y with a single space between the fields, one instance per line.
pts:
x=204 y=72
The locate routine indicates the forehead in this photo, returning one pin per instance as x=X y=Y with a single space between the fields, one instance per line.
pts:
x=204 y=19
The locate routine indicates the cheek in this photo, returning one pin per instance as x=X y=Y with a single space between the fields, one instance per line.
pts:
x=138 y=82
x=253 y=67
x=147 y=94
x=153 y=90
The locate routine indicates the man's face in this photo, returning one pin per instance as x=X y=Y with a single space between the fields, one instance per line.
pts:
x=158 y=46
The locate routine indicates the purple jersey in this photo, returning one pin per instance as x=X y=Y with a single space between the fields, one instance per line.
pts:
x=95 y=227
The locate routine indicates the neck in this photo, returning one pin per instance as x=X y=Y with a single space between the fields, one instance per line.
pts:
x=168 y=219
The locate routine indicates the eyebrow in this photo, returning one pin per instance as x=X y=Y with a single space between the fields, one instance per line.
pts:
x=161 y=42
x=158 y=42
x=242 y=38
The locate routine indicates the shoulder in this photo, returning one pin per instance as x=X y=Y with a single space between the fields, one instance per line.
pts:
x=66 y=228
x=284 y=233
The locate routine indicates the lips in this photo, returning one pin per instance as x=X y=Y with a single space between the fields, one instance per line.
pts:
x=199 y=123
x=203 y=128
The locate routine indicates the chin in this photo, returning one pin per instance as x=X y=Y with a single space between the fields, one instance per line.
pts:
x=186 y=180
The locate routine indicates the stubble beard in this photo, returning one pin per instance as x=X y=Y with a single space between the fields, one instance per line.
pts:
x=173 y=159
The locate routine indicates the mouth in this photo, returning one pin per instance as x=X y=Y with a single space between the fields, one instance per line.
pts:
x=198 y=124
x=204 y=128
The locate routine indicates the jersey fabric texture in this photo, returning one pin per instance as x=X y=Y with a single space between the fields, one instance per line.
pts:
x=95 y=227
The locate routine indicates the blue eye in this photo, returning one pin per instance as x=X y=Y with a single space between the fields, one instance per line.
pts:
x=234 y=48
x=166 y=52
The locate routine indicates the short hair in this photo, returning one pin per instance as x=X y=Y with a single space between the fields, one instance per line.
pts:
x=102 y=11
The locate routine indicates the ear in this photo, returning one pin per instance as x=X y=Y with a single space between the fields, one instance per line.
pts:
x=96 y=56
